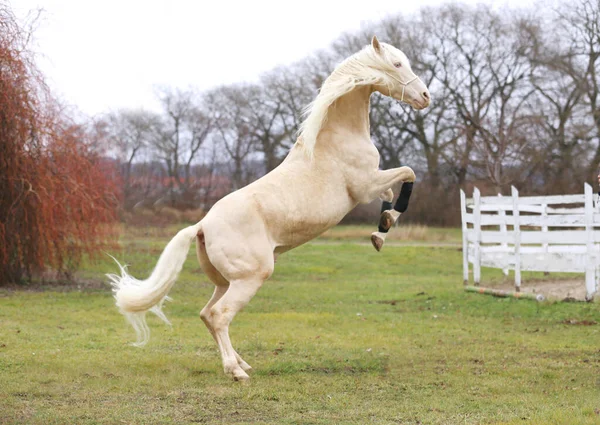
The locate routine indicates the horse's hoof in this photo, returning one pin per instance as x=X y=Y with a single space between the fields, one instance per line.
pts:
x=386 y=221
x=377 y=242
x=241 y=377
x=235 y=371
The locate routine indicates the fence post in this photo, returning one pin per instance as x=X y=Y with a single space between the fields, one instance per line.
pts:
x=503 y=230
x=465 y=245
x=545 y=226
x=477 y=230
x=545 y=231
x=517 y=232
x=590 y=268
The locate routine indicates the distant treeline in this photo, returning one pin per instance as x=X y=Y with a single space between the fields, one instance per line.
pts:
x=516 y=101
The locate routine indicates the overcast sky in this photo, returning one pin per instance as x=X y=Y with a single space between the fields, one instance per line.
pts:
x=111 y=54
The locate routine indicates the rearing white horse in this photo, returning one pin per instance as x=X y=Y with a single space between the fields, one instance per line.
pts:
x=332 y=167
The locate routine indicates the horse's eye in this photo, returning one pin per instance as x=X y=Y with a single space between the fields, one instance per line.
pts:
x=397 y=64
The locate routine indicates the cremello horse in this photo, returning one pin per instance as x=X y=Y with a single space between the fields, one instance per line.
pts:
x=332 y=167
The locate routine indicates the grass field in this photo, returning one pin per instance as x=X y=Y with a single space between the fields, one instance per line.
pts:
x=339 y=335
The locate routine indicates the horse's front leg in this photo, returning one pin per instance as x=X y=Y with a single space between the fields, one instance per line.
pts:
x=386 y=220
x=389 y=215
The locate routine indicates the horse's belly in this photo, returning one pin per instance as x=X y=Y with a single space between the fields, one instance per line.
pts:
x=305 y=224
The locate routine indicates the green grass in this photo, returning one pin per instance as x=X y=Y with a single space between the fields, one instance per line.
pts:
x=339 y=335
x=415 y=234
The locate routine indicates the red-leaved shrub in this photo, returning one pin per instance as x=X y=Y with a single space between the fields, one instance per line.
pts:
x=58 y=197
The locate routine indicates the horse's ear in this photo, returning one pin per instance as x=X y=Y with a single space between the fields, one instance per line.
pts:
x=375 y=44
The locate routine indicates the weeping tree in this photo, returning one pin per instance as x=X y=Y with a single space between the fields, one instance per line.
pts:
x=57 y=197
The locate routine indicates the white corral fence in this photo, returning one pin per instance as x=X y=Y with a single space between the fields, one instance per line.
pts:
x=535 y=233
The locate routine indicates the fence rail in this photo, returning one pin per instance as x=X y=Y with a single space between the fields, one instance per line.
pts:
x=534 y=233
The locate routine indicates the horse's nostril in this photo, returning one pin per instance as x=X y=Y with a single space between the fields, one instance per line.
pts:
x=426 y=95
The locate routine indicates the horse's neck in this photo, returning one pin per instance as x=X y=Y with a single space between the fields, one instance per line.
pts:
x=350 y=114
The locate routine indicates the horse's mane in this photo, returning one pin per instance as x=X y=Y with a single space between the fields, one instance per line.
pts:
x=359 y=69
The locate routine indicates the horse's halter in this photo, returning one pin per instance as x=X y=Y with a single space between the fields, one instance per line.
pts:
x=402 y=83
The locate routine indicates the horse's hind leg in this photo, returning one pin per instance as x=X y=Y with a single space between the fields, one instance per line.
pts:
x=204 y=314
x=221 y=314
x=243 y=257
x=221 y=287
x=246 y=269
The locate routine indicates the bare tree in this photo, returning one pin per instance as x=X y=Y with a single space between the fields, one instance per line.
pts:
x=234 y=131
x=389 y=122
x=580 y=26
x=555 y=107
x=268 y=123
x=501 y=137
x=484 y=74
x=128 y=133
x=179 y=135
x=400 y=132
x=288 y=91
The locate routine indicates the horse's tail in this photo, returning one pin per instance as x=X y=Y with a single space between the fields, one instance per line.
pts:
x=134 y=297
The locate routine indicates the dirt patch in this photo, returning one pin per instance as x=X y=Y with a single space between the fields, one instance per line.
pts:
x=562 y=290
x=579 y=322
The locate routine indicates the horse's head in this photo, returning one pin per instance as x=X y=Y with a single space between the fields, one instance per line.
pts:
x=380 y=67
x=398 y=79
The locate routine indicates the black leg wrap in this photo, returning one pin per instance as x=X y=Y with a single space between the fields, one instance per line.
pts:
x=402 y=201
x=385 y=205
